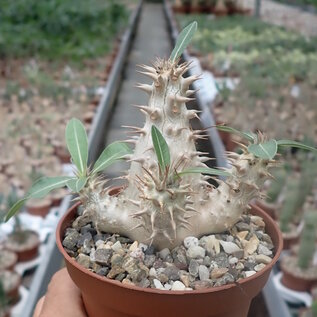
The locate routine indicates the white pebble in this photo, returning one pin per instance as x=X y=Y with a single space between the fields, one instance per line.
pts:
x=117 y=246
x=195 y=252
x=190 y=242
x=249 y=273
x=152 y=272
x=229 y=247
x=178 y=286
x=233 y=260
x=158 y=284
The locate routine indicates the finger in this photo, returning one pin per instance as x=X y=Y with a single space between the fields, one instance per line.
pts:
x=61 y=292
x=39 y=307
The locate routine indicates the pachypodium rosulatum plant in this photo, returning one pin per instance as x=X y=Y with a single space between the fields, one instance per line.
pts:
x=167 y=196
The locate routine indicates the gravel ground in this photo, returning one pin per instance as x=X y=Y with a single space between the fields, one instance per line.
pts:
x=287 y=16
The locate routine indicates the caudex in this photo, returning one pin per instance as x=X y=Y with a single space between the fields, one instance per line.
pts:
x=167 y=196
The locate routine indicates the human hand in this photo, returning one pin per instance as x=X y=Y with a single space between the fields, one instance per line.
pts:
x=63 y=298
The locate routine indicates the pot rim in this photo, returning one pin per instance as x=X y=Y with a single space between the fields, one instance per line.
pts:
x=268 y=267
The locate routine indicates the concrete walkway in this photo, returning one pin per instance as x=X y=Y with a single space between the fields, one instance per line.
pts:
x=152 y=40
x=286 y=16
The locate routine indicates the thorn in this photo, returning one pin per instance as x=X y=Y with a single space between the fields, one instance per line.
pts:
x=144 y=108
x=136 y=129
x=188 y=81
x=146 y=88
x=191 y=114
x=181 y=99
x=129 y=141
x=134 y=202
x=189 y=208
x=151 y=75
x=147 y=68
x=190 y=92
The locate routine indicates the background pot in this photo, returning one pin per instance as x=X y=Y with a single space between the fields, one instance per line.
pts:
x=294 y=282
x=106 y=297
x=28 y=249
x=270 y=209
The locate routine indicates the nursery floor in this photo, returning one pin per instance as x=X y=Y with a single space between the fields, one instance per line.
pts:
x=287 y=16
x=151 y=40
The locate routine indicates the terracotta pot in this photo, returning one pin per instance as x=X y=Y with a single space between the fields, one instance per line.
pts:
x=62 y=154
x=26 y=253
x=40 y=208
x=294 y=282
x=226 y=139
x=106 y=297
x=270 y=209
x=288 y=242
x=57 y=197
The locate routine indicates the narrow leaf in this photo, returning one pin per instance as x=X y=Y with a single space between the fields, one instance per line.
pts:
x=161 y=148
x=45 y=185
x=77 y=144
x=183 y=40
x=14 y=209
x=247 y=135
x=112 y=153
x=77 y=184
x=204 y=170
x=266 y=150
x=299 y=145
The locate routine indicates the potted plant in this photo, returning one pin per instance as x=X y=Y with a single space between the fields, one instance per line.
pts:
x=167 y=243
x=4 y=307
x=23 y=242
x=299 y=273
x=38 y=207
x=10 y=282
x=296 y=191
x=270 y=204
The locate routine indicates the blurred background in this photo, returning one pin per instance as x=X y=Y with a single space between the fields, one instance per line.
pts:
x=77 y=58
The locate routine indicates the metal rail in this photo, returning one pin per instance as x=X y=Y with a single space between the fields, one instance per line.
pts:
x=52 y=261
x=274 y=302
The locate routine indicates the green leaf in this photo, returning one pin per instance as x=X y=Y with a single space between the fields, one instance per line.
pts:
x=77 y=144
x=161 y=148
x=77 y=184
x=45 y=185
x=247 y=135
x=299 y=145
x=112 y=153
x=266 y=150
x=183 y=40
x=204 y=170
x=14 y=209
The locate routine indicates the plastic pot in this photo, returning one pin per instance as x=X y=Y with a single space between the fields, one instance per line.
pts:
x=106 y=297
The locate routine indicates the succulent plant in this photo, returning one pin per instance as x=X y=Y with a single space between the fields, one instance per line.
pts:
x=276 y=185
x=167 y=196
x=296 y=192
x=289 y=208
x=3 y=299
x=307 y=240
